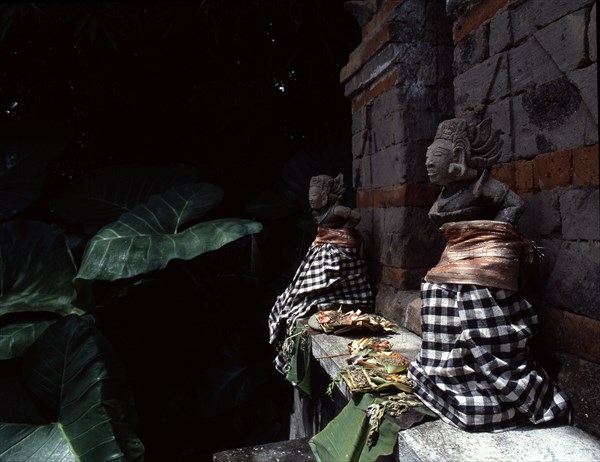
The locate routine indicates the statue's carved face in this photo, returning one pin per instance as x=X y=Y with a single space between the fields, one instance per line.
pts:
x=317 y=197
x=438 y=160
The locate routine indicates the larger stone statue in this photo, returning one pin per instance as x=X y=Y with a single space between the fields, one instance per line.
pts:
x=332 y=271
x=474 y=369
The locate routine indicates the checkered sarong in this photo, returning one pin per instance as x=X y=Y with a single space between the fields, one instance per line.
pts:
x=474 y=369
x=328 y=274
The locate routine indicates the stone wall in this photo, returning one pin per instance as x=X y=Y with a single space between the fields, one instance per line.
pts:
x=400 y=83
x=530 y=65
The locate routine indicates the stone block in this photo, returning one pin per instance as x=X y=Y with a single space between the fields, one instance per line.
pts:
x=581 y=335
x=410 y=240
x=530 y=66
x=281 y=451
x=359 y=144
x=421 y=125
x=591 y=35
x=483 y=83
x=541 y=217
x=441 y=442
x=586 y=166
x=579 y=379
x=389 y=166
x=579 y=209
x=500 y=112
x=574 y=282
x=387 y=131
x=359 y=120
x=535 y=14
x=471 y=50
x=500 y=37
x=548 y=119
x=386 y=103
x=586 y=81
x=565 y=40
x=399 y=306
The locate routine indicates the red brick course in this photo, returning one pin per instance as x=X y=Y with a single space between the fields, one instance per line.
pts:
x=408 y=194
x=572 y=167
x=402 y=278
x=585 y=166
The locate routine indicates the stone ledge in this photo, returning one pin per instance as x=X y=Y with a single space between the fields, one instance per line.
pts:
x=441 y=442
x=282 y=451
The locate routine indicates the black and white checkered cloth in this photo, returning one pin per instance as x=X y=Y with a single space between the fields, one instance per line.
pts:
x=328 y=274
x=474 y=369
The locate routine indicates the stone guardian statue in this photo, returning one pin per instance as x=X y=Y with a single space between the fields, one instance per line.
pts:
x=474 y=369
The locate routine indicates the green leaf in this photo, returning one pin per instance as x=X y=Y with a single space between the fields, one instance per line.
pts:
x=73 y=370
x=153 y=234
x=36 y=269
x=17 y=337
x=34 y=443
x=101 y=196
x=345 y=437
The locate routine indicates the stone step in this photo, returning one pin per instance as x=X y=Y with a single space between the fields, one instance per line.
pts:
x=282 y=451
x=436 y=441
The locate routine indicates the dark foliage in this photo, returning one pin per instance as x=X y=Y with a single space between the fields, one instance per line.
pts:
x=234 y=88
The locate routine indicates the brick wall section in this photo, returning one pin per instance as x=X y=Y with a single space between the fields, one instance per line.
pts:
x=531 y=65
x=399 y=83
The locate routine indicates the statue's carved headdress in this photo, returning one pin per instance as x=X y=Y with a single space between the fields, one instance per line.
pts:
x=475 y=146
x=333 y=186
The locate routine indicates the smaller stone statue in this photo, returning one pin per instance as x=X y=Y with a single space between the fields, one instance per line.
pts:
x=474 y=369
x=332 y=271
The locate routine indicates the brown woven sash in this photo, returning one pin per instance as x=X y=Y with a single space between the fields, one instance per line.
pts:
x=343 y=237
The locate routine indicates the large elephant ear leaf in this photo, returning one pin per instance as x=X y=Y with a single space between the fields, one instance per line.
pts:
x=34 y=443
x=152 y=234
x=36 y=269
x=74 y=370
x=101 y=196
x=17 y=337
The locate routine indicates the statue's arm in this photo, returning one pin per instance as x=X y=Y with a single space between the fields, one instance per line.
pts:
x=510 y=205
x=351 y=216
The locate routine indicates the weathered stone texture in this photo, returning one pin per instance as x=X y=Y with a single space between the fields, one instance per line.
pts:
x=574 y=280
x=500 y=113
x=586 y=82
x=473 y=49
x=591 y=35
x=580 y=213
x=401 y=306
x=548 y=118
x=500 y=37
x=481 y=84
x=535 y=14
x=530 y=65
x=402 y=246
x=541 y=217
x=579 y=379
x=564 y=41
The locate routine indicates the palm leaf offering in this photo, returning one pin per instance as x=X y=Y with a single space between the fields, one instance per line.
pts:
x=336 y=321
x=374 y=367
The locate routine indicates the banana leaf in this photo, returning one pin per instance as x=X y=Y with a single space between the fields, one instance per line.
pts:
x=345 y=437
x=152 y=234
x=101 y=196
x=36 y=269
x=74 y=371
